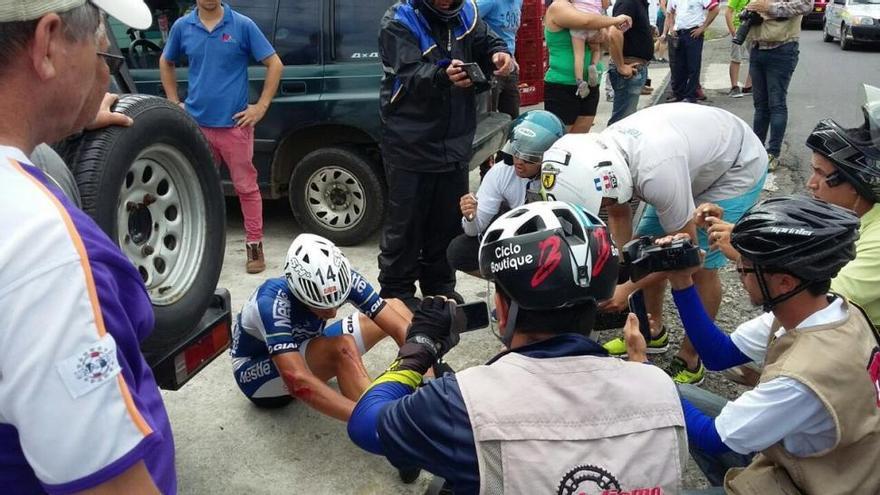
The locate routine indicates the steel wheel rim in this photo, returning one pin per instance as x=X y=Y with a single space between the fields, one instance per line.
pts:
x=161 y=222
x=335 y=198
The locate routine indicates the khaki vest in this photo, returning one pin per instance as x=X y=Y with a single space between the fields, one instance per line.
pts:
x=832 y=361
x=571 y=425
x=773 y=31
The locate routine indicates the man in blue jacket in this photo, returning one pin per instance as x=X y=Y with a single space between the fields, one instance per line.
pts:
x=428 y=113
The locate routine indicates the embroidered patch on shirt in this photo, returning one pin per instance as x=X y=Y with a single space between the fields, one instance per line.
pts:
x=90 y=367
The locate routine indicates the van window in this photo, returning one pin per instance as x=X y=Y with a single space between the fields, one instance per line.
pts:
x=357 y=29
x=298 y=32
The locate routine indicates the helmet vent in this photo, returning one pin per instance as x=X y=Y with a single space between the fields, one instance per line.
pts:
x=311 y=289
x=306 y=258
x=533 y=224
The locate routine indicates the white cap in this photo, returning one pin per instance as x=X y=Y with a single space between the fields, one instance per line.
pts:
x=133 y=13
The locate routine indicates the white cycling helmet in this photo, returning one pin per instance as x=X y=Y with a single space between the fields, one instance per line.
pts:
x=317 y=272
x=582 y=169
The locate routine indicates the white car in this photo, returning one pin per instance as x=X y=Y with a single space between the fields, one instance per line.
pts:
x=852 y=21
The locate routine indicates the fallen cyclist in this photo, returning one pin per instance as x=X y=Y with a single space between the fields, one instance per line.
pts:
x=282 y=346
x=812 y=423
x=555 y=407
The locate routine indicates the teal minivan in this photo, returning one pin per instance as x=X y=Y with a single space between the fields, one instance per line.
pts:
x=318 y=144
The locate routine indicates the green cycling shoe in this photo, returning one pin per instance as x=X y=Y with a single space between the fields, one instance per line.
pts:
x=680 y=373
x=657 y=345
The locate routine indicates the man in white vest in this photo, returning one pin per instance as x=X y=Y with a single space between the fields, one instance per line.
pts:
x=552 y=414
x=813 y=420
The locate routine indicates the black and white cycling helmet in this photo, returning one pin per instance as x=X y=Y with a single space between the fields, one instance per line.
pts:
x=808 y=238
x=317 y=272
x=549 y=255
x=855 y=152
x=582 y=169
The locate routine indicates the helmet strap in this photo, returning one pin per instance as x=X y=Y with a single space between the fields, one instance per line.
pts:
x=771 y=302
x=512 y=313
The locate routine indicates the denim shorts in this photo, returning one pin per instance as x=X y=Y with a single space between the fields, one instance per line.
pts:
x=734 y=208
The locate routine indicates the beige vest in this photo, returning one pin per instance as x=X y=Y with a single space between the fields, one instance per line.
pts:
x=572 y=425
x=772 y=31
x=832 y=361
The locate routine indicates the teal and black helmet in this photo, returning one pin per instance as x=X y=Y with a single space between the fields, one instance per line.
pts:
x=531 y=134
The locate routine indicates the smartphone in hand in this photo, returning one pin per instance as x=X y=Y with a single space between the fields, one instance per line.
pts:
x=476 y=315
x=474 y=72
x=637 y=306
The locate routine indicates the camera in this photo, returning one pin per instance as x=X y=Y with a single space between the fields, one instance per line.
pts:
x=748 y=18
x=641 y=257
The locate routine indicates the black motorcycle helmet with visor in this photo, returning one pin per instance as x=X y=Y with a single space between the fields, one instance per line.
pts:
x=806 y=238
x=854 y=152
x=444 y=15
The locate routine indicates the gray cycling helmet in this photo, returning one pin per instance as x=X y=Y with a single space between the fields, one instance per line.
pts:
x=808 y=238
x=855 y=152
x=531 y=134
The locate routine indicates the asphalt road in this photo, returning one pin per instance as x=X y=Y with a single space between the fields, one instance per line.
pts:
x=226 y=446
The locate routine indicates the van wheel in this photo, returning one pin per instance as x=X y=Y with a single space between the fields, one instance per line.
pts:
x=154 y=189
x=337 y=193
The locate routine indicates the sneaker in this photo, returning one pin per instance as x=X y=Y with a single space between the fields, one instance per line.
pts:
x=673 y=99
x=657 y=345
x=701 y=96
x=255 y=260
x=583 y=89
x=735 y=92
x=646 y=90
x=592 y=76
x=680 y=373
x=772 y=163
x=747 y=91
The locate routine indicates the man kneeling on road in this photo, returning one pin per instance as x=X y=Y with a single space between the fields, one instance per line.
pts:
x=503 y=187
x=281 y=346
x=672 y=157
x=553 y=396
x=814 y=416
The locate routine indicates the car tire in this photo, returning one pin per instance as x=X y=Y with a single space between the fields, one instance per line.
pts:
x=845 y=44
x=827 y=38
x=154 y=189
x=337 y=193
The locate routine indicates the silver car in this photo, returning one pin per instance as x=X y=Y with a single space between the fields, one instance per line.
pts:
x=852 y=21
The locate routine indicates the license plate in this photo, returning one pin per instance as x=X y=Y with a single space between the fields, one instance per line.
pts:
x=819 y=9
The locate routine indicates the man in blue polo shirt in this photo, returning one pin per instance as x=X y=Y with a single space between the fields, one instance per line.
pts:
x=219 y=44
x=503 y=17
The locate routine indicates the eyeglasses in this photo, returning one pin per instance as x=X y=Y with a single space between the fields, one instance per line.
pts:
x=114 y=62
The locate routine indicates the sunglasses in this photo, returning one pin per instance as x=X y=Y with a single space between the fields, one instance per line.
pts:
x=114 y=62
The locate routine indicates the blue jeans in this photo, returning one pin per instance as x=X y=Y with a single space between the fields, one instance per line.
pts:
x=626 y=91
x=686 y=66
x=771 y=72
x=713 y=466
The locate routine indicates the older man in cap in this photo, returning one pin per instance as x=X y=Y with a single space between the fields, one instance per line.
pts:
x=79 y=407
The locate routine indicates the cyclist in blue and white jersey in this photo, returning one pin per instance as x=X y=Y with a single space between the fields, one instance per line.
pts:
x=282 y=346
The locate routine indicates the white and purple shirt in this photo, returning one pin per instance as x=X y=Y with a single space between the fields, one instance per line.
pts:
x=78 y=403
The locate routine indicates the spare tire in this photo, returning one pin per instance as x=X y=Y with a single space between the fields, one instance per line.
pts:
x=154 y=189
